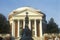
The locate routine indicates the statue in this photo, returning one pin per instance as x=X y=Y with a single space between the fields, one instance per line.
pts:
x=27 y=33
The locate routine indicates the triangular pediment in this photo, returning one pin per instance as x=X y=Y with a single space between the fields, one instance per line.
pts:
x=29 y=13
x=23 y=10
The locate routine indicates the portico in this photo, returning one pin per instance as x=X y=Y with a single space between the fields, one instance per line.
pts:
x=17 y=21
x=22 y=23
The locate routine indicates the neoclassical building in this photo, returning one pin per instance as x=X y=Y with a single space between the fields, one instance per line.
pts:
x=37 y=22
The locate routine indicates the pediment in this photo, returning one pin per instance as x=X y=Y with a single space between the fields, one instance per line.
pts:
x=29 y=13
x=22 y=11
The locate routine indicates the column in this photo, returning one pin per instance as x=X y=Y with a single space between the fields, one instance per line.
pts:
x=18 y=27
x=40 y=27
x=30 y=24
x=23 y=24
x=35 y=28
x=13 y=29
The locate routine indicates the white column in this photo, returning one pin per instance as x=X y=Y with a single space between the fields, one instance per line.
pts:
x=23 y=24
x=13 y=29
x=35 y=28
x=30 y=24
x=40 y=27
x=18 y=27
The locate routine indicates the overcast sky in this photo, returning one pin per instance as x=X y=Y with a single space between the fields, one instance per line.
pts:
x=50 y=7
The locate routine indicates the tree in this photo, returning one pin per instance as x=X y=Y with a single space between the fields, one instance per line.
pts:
x=52 y=27
x=4 y=24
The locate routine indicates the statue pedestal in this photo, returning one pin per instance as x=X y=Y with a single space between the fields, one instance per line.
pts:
x=26 y=38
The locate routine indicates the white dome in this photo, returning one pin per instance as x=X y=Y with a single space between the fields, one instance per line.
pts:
x=23 y=8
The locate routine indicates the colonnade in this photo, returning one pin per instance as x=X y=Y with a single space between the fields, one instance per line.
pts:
x=35 y=27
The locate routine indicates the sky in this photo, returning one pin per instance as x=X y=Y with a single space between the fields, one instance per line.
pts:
x=50 y=7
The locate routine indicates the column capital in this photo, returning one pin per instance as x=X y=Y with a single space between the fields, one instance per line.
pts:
x=35 y=20
x=41 y=19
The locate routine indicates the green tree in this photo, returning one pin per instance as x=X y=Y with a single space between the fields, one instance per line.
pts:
x=52 y=27
x=4 y=24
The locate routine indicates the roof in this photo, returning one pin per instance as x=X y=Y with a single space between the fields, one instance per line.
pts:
x=24 y=8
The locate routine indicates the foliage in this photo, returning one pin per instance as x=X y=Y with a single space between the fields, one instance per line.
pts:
x=4 y=24
x=52 y=27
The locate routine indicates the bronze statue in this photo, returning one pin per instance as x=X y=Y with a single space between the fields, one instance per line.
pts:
x=26 y=34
